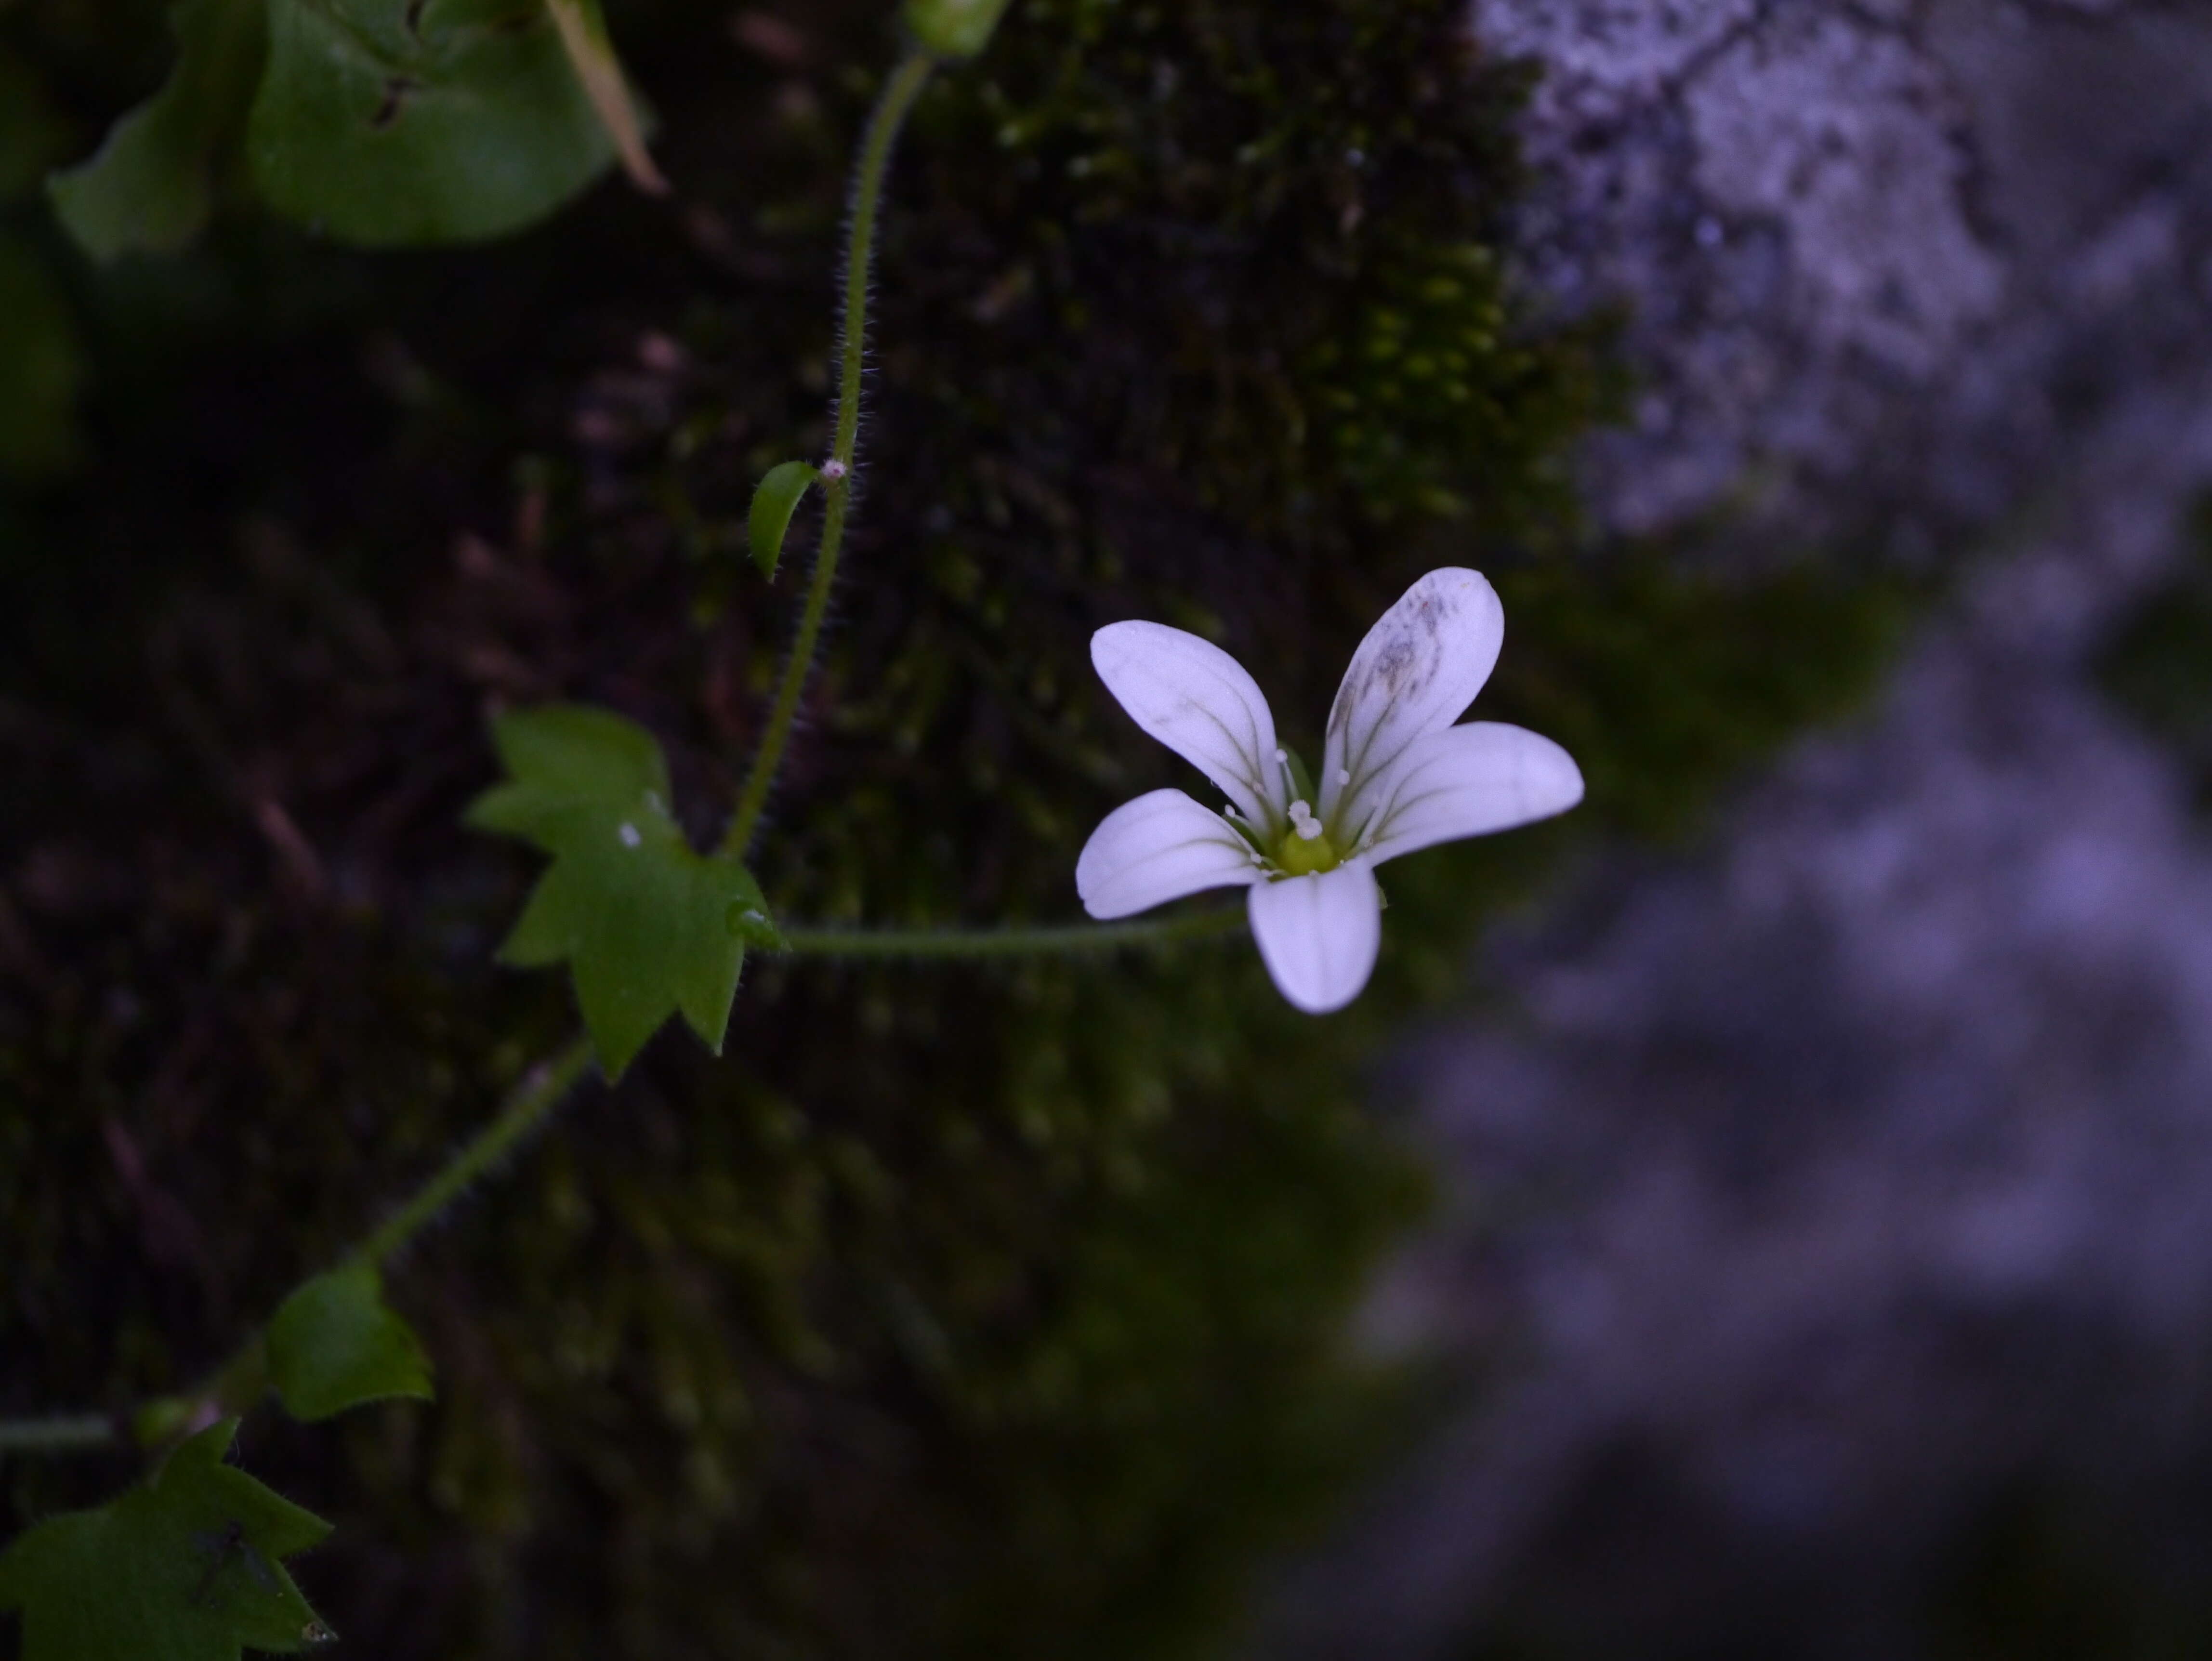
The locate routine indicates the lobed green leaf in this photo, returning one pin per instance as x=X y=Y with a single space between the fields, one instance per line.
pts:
x=335 y=1344
x=648 y=926
x=187 y=1566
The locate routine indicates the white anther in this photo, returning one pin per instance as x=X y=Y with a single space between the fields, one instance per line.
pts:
x=630 y=836
x=1302 y=816
x=1344 y=775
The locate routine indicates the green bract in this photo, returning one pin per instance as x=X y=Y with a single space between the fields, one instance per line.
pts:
x=648 y=926
x=955 y=28
x=335 y=1344
x=187 y=1567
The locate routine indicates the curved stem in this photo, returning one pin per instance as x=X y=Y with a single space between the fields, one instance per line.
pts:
x=62 y=1434
x=533 y=1100
x=890 y=112
x=1059 y=940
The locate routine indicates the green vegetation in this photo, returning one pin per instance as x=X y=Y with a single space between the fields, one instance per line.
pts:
x=2157 y=663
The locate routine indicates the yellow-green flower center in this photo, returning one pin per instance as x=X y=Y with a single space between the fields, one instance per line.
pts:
x=1300 y=856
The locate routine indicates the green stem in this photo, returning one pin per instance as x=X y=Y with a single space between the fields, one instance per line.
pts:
x=1009 y=942
x=58 y=1435
x=532 y=1101
x=890 y=112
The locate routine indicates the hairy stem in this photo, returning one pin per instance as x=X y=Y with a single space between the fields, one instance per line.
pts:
x=1062 y=940
x=62 y=1434
x=890 y=112
x=545 y=1087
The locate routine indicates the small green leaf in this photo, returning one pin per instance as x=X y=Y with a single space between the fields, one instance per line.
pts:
x=187 y=1566
x=335 y=1344
x=151 y=185
x=648 y=926
x=775 y=500
x=409 y=121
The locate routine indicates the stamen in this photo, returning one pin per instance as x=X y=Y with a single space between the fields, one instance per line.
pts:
x=1302 y=817
x=1344 y=775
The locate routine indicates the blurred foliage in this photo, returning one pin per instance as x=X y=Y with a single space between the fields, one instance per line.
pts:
x=2079 y=1559
x=41 y=363
x=377 y=122
x=1748 y=666
x=41 y=367
x=2053 y=1569
x=2157 y=663
x=154 y=183
x=991 y=1312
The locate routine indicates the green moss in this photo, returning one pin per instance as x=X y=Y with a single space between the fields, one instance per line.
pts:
x=1666 y=685
x=996 y=1311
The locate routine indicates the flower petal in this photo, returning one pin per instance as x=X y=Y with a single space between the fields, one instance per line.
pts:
x=1157 y=849
x=1197 y=700
x=1469 y=781
x=1318 y=935
x=1418 y=669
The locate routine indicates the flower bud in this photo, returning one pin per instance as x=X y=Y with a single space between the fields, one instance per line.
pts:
x=954 y=29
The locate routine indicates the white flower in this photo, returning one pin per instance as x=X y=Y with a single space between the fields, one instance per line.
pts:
x=1396 y=774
